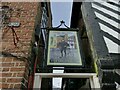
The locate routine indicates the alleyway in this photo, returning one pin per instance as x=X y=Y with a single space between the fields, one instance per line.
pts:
x=71 y=56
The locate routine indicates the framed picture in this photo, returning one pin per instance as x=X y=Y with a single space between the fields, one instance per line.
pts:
x=63 y=48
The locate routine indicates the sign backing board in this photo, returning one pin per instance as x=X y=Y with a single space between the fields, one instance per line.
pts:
x=64 y=48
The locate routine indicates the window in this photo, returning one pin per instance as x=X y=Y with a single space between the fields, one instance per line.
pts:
x=44 y=21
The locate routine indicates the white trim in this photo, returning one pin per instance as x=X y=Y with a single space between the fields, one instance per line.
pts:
x=12 y=77
x=94 y=82
x=65 y=75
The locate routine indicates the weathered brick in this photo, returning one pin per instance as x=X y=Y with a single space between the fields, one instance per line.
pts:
x=6 y=74
x=11 y=86
x=0 y=74
x=5 y=86
x=0 y=85
x=17 y=86
x=14 y=74
x=0 y=79
x=15 y=69
x=18 y=60
x=10 y=59
x=3 y=59
x=14 y=80
x=5 y=69
x=1 y=69
x=4 y=80
x=7 y=64
x=17 y=64
x=20 y=74
x=22 y=64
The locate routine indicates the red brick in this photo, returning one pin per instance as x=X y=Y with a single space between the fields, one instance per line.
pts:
x=22 y=64
x=0 y=79
x=6 y=74
x=3 y=59
x=5 y=86
x=11 y=86
x=4 y=80
x=7 y=64
x=10 y=59
x=0 y=74
x=15 y=69
x=14 y=80
x=1 y=69
x=20 y=74
x=16 y=86
x=5 y=69
x=17 y=64
x=25 y=33
x=14 y=74
x=17 y=60
x=0 y=85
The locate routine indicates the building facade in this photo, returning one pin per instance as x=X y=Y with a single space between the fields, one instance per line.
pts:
x=21 y=36
x=98 y=23
x=24 y=40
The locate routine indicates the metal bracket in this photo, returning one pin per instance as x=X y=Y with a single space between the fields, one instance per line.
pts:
x=62 y=23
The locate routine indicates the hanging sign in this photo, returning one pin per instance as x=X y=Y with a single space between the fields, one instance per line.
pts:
x=64 y=48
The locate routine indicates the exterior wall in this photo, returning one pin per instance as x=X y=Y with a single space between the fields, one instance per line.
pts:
x=107 y=14
x=46 y=22
x=85 y=43
x=101 y=21
x=100 y=53
x=108 y=18
x=15 y=62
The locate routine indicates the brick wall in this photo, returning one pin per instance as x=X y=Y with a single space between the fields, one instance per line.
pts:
x=15 y=62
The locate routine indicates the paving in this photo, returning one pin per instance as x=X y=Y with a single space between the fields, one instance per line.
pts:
x=72 y=56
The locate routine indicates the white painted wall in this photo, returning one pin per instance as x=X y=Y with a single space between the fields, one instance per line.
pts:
x=112 y=46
